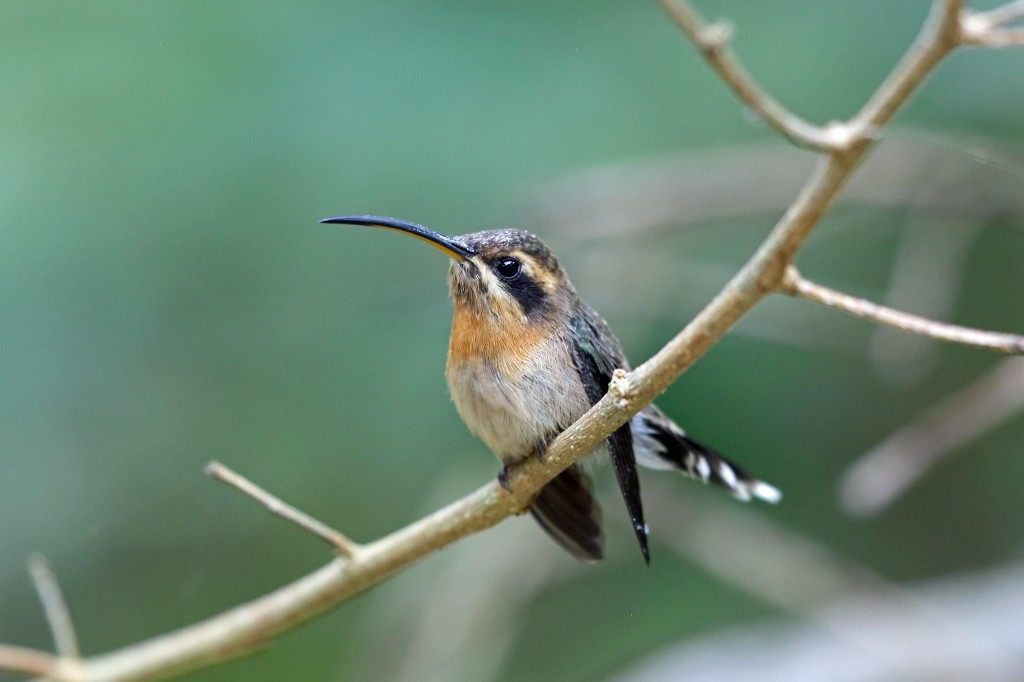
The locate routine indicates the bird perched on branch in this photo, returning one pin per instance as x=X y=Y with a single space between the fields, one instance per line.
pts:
x=527 y=358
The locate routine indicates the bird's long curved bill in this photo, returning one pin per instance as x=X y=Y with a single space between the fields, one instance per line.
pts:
x=452 y=247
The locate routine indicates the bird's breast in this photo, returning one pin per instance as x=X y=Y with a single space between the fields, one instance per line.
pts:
x=515 y=386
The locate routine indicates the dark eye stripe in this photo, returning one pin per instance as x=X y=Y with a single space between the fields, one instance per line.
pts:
x=529 y=294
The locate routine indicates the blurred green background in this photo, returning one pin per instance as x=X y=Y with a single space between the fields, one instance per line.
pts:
x=167 y=298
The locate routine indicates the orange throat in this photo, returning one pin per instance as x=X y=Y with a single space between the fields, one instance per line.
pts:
x=480 y=337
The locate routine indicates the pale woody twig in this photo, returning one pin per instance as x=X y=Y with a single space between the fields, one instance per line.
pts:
x=992 y=37
x=274 y=505
x=713 y=42
x=1002 y=15
x=56 y=609
x=794 y=284
x=988 y=29
x=925 y=276
x=1005 y=37
x=959 y=27
x=25 y=661
x=940 y=36
x=249 y=626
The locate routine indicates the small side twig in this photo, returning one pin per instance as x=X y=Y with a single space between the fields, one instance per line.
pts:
x=249 y=626
x=926 y=273
x=713 y=42
x=24 y=661
x=794 y=284
x=988 y=28
x=274 y=505
x=54 y=607
x=884 y=473
x=1001 y=15
x=996 y=37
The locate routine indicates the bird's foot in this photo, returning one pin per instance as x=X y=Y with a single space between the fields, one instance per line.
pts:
x=540 y=450
x=503 y=482
x=503 y=477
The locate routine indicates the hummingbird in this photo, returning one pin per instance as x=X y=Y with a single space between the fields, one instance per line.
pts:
x=527 y=358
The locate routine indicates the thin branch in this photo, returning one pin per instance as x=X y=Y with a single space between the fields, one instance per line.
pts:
x=994 y=37
x=24 y=661
x=1000 y=16
x=987 y=29
x=926 y=272
x=884 y=473
x=795 y=284
x=274 y=505
x=940 y=36
x=251 y=625
x=713 y=42
x=54 y=606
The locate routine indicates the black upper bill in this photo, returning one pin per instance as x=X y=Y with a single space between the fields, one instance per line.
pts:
x=450 y=246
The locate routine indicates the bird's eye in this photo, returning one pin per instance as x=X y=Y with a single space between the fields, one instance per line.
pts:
x=508 y=267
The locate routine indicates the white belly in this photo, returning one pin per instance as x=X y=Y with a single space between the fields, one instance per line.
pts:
x=514 y=412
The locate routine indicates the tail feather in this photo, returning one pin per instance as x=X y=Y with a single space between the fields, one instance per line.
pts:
x=661 y=444
x=567 y=510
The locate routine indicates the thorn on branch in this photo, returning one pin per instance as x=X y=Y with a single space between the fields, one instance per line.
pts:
x=275 y=505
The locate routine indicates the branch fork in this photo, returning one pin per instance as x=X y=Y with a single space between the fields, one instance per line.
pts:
x=842 y=146
x=989 y=29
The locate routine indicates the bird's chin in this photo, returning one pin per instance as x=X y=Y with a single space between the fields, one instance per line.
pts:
x=464 y=281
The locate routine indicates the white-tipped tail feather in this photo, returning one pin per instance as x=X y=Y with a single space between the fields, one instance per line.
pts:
x=660 y=444
x=766 y=491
